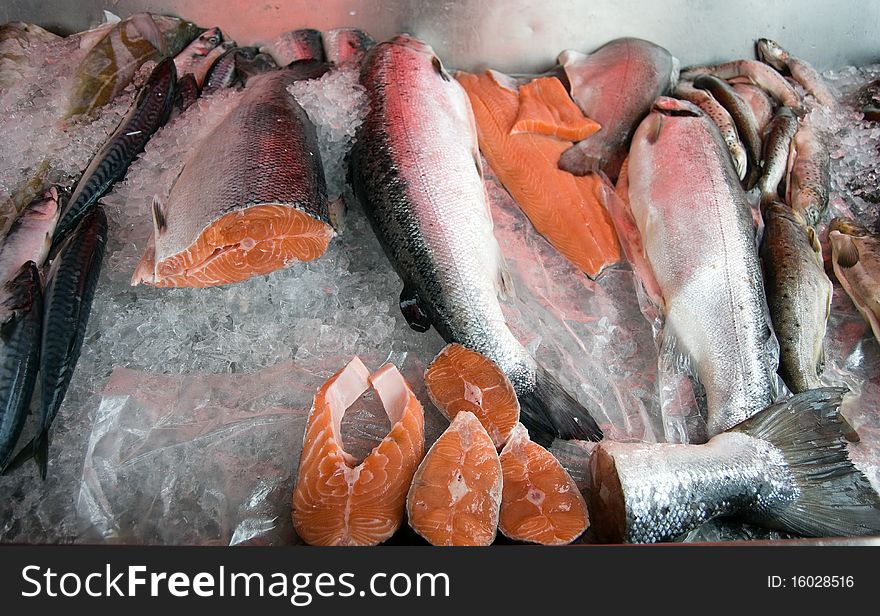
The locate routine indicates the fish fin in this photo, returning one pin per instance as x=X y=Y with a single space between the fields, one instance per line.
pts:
x=438 y=66
x=673 y=355
x=504 y=283
x=577 y=161
x=412 y=311
x=148 y=29
x=834 y=498
x=159 y=223
x=847 y=252
x=814 y=240
x=337 y=210
x=549 y=411
x=37 y=449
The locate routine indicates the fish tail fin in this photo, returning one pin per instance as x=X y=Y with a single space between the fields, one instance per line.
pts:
x=549 y=411
x=37 y=449
x=834 y=498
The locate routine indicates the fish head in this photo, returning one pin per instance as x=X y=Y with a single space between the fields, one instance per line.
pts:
x=664 y=110
x=176 y=33
x=20 y=291
x=845 y=226
x=206 y=42
x=419 y=51
x=44 y=207
x=770 y=52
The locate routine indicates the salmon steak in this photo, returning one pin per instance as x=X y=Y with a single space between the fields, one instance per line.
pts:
x=540 y=502
x=522 y=134
x=250 y=200
x=460 y=379
x=456 y=492
x=337 y=501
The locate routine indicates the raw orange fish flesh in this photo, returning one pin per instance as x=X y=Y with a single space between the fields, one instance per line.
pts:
x=337 y=501
x=250 y=199
x=460 y=379
x=456 y=493
x=565 y=209
x=545 y=108
x=540 y=502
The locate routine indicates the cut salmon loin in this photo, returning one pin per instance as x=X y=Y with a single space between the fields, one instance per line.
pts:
x=565 y=209
x=456 y=493
x=250 y=199
x=545 y=108
x=337 y=501
x=540 y=502
x=460 y=379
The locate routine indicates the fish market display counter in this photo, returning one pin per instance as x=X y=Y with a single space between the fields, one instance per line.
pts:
x=184 y=419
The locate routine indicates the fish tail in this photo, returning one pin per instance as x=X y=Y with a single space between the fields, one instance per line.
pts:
x=549 y=411
x=37 y=449
x=578 y=161
x=834 y=497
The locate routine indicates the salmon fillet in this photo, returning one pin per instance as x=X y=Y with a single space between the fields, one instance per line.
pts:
x=540 y=502
x=456 y=492
x=337 y=501
x=565 y=209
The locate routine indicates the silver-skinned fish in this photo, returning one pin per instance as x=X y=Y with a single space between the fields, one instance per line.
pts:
x=698 y=235
x=777 y=146
x=416 y=169
x=787 y=469
x=809 y=177
x=30 y=235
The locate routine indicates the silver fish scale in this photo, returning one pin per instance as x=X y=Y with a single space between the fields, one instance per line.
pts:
x=699 y=238
x=264 y=152
x=671 y=489
x=416 y=168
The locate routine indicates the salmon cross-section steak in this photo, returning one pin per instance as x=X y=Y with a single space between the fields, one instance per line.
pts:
x=337 y=501
x=460 y=379
x=540 y=502
x=456 y=493
x=250 y=200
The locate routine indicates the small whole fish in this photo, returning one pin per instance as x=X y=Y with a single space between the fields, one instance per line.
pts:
x=70 y=287
x=251 y=198
x=226 y=71
x=346 y=45
x=698 y=235
x=614 y=86
x=112 y=63
x=431 y=215
x=757 y=73
x=743 y=118
x=777 y=146
x=855 y=257
x=798 y=294
x=198 y=56
x=21 y=317
x=800 y=70
x=30 y=236
x=758 y=100
x=149 y=112
x=787 y=469
x=297 y=45
x=809 y=175
x=685 y=90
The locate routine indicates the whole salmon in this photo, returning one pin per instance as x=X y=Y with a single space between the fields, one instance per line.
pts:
x=699 y=239
x=416 y=169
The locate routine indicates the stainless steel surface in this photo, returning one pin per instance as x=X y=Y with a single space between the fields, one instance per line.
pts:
x=523 y=35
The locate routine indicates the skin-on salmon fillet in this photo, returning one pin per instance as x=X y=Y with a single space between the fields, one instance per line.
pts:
x=522 y=135
x=250 y=200
x=337 y=501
